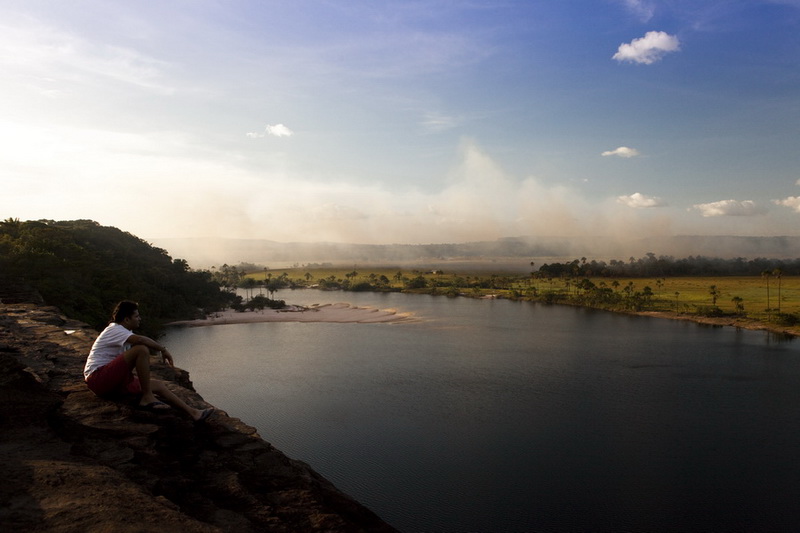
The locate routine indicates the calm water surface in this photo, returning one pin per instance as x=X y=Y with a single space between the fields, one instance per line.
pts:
x=511 y=416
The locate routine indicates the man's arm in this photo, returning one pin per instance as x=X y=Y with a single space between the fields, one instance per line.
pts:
x=135 y=340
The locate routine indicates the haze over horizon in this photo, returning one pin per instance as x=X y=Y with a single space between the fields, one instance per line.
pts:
x=409 y=122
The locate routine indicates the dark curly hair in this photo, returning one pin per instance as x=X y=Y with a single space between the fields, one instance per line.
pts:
x=123 y=310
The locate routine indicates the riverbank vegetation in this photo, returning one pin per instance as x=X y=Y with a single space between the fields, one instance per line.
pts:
x=758 y=293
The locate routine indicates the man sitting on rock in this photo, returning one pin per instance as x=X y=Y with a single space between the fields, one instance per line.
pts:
x=117 y=351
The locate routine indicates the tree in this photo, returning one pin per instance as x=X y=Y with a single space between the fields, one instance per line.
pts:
x=765 y=274
x=11 y=227
x=738 y=304
x=85 y=268
x=273 y=285
x=712 y=290
x=248 y=284
x=647 y=294
x=778 y=273
x=417 y=283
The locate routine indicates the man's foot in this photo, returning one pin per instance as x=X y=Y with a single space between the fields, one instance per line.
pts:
x=203 y=415
x=155 y=407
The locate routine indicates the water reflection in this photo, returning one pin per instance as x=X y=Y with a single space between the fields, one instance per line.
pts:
x=508 y=416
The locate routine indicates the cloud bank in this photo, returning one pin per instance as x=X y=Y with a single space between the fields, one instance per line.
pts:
x=730 y=208
x=648 y=49
x=792 y=202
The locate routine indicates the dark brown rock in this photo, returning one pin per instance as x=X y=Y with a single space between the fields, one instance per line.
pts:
x=71 y=461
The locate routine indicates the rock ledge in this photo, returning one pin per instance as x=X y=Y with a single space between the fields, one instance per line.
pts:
x=71 y=461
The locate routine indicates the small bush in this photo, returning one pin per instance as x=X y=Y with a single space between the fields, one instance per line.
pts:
x=552 y=297
x=785 y=319
x=710 y=310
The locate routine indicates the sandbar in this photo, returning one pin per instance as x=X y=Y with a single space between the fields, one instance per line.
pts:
x=343 y=313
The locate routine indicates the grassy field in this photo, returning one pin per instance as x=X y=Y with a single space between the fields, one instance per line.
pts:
x=752 y=290
x=692 y=291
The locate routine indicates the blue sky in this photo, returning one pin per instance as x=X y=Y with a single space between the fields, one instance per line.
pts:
x=403 y=122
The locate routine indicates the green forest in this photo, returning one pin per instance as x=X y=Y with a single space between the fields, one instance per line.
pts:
x=84 y=268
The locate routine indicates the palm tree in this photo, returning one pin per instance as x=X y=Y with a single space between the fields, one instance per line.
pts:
x=13 y=227
x=248 y=284
x=766 y=275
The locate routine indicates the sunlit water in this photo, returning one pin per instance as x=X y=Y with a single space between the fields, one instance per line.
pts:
x=512 y=416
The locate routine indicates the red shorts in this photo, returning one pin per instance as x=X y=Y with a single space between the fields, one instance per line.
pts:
x=114 y=378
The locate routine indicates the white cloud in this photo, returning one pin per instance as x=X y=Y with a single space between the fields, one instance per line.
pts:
x=638 y=200
x=792 y=201
x=622 y=151
x=641 y=8
x=730 y=208
x=797 y=182
x=278 y=130
x=648 y=49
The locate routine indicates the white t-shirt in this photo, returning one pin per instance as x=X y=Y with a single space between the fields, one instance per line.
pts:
x=109 y=344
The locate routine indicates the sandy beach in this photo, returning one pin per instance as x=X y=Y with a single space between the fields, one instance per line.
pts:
x=345 y=313
x=340 y=313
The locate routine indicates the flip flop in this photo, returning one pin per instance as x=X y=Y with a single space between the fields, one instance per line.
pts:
x=155 y=407
x=205 y=415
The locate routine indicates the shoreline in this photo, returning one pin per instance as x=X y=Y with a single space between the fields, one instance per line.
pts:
x=736 y=322
x=339 y=313
x=345 y=313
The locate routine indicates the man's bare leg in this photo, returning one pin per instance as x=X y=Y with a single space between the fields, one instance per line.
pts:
x=160 y=388
x=139 y=358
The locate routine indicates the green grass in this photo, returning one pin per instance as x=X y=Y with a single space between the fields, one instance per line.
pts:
x=692 y=291
x=752 y=290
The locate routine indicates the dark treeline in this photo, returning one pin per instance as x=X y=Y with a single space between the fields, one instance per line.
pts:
x=664 y=266
x=85 y=268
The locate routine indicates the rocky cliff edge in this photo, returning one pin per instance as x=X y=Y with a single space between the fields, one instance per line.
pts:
x=70 y=461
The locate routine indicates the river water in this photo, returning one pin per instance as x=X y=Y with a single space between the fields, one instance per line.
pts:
x=493 y=415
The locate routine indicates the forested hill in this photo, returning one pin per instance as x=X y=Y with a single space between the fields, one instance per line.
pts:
x=85 y=268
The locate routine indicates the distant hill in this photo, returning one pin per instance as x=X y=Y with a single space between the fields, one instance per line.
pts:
x=516 y=252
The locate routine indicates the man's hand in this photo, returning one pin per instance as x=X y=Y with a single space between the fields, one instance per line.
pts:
x=167 y=358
